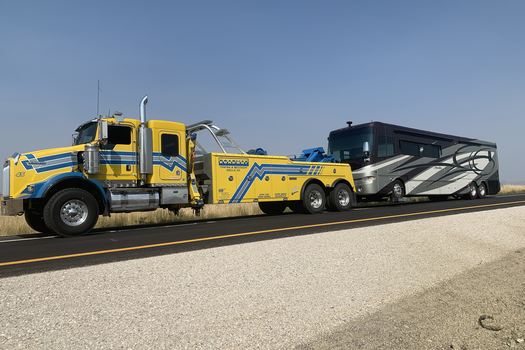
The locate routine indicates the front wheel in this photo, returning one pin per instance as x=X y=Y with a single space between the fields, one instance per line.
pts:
x=35 y=220
x=71 y=212
x=398 y=191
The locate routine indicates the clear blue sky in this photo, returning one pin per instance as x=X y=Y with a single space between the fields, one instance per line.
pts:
x=279 y=74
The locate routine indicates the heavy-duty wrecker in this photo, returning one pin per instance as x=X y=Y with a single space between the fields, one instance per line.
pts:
x=124 y=165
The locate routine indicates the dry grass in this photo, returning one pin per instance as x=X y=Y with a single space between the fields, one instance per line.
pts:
x=510 y=189
x=16 y=225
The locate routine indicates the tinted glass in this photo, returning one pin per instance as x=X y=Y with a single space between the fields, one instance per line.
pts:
x=349 y=144
x=420 y=149
x=170 y=145
x=119 y=135
x=86 y=133
x=385 y=143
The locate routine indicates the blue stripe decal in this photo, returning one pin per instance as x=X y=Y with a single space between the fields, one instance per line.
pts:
x=260 y=171
x=107 y=157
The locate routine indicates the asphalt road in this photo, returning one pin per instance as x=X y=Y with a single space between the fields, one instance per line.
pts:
x=30 y=254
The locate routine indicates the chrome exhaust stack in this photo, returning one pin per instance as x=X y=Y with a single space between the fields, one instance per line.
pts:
x=145 y=144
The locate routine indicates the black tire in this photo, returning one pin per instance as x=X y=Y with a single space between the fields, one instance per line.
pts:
x=314 y=199
x=35 y=220
x=71 y=212
x=340 y=198
x=398 y=191
x=482 y=190
x=472 y=191
x=272 y=208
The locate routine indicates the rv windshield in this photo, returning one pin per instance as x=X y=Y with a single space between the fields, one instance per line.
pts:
x=348 y=144
x=85 y=133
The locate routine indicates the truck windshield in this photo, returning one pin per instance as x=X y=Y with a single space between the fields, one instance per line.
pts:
x=85 y=133
x=347 y=145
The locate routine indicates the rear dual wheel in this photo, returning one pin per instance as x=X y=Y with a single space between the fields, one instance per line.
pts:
x=340 y=198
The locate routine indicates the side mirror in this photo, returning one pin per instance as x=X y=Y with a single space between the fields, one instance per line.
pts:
x=366 y=148
x=103 y=133
x=366 y=151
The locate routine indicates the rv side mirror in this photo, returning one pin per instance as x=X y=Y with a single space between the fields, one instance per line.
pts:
x=103 y=133
x=366 y=148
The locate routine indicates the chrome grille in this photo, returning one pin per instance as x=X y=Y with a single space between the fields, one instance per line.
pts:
x=5 y=181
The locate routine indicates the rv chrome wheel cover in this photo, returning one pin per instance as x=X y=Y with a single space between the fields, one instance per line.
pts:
x=473 y=190
x=74 y=212
x=398 y=190
x=316 y=199
x=343 y=197
x=482 y=190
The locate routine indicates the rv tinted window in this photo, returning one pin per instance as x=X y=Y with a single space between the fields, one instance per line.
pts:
x=431 y=151
x=169 y=145
x=349 y=144
x=385 y=146
x=409 y=148
x=420 y=149
x=119 y=135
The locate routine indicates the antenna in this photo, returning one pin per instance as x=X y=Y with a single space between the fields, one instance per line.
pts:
x=98 y=98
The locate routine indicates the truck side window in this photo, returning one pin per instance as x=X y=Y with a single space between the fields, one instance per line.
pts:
x=119 y=135
x=169 y=145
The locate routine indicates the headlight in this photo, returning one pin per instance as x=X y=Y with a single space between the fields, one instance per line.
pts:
x=369 y=180
x=30 y=189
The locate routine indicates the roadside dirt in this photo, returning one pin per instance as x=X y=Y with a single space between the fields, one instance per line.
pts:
x=483 y=308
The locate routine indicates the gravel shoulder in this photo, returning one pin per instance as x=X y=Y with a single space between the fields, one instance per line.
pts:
x=297 y=291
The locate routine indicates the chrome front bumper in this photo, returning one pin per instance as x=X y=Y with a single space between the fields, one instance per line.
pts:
x=11 y=207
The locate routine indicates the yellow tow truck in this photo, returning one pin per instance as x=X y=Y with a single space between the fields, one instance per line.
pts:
x=125 y=165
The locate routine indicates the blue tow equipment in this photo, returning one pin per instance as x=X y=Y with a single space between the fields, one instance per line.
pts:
x=316 y=154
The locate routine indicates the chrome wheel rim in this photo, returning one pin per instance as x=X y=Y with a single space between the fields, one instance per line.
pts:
x=343 y=198
x=74 y=212
x=482 y=190
x=398 y=191
x=316 y=199
x=472 y=190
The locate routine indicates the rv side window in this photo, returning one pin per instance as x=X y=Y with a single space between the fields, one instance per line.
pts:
x=431 y=151
x=409 y=148
x=420 y=149
x=119 y=135
x=169 y=145
x=385 y=146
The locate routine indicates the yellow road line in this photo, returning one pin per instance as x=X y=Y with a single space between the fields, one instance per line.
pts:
x=243 y=234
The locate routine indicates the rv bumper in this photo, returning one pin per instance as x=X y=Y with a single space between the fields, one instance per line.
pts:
x=11 y=207
x=366 y=186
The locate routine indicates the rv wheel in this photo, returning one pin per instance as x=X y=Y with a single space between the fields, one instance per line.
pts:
x=398 y=191
x=472 y=191
x=482 y=190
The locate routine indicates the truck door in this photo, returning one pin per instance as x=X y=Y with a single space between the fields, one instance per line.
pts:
x=170 y=163
x=118 y=158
